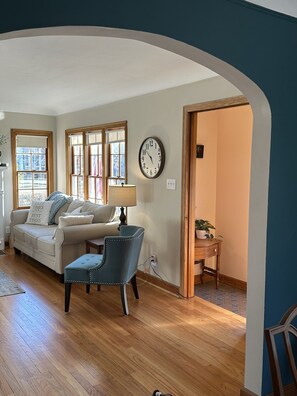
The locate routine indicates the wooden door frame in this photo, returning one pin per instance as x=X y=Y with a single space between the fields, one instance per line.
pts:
x=188 y=183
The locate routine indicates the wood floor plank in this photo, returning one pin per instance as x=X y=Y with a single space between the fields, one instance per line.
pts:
x=183 y=347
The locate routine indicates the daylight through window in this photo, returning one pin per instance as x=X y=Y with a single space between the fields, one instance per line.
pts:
x=31 y=166
x=96 y=158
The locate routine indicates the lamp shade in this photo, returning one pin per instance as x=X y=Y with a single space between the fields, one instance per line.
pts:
x=122 y=195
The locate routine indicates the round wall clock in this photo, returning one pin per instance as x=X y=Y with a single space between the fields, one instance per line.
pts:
x=151 y=157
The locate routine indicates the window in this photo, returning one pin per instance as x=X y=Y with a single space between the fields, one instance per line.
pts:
x=96 y=158
x=77 y=179
x=32 y=166
x=95 y=190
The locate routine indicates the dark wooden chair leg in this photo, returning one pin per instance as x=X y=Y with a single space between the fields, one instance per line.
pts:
x=124 y=299
x=67 y=296
x=98 y=287
x=88 y=288
x=134 y=285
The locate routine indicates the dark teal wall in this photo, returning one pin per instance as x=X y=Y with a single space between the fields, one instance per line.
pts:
x=260 y=44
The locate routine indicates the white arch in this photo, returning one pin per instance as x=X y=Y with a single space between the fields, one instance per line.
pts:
x=259 y=172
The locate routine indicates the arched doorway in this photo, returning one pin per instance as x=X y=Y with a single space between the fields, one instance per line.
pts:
x=259 y=171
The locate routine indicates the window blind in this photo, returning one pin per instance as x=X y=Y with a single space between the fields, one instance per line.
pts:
x=31 y=141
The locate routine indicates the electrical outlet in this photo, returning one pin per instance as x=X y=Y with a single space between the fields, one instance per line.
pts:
x=7 y=229
x=153 y=260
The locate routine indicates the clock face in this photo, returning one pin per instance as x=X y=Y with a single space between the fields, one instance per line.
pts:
x=151 y=157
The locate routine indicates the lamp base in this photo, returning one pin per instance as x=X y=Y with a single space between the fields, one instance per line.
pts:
x=122 y=218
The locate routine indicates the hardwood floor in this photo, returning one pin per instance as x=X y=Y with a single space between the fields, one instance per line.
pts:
x=183 y=347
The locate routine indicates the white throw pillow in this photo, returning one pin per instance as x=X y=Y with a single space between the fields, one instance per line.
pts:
x=66 y=214
x=39 y=212
x=74 y=220
x=67 y=220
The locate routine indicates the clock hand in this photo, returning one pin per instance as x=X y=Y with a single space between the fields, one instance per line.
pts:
x=150 y=157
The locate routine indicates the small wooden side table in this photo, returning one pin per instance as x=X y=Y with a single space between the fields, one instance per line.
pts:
x=97 y=244
x=205 y=248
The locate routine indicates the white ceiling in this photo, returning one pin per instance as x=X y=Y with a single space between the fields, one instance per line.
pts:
x=59 y=74
x=288 y=7
x=53 y=75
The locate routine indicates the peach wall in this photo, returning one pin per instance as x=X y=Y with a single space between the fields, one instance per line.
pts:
x=206 y=167
x=230 y=172
x=206 y=172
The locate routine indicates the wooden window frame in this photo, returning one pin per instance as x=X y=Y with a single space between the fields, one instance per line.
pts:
x=49 y=159
x=88 y=176
x=109 y=161
x=104 y=129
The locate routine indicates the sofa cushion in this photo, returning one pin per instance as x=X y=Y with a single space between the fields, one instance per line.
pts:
x=30 y=233
x=102 y=213
x=39 y=212
x=76 y=203
x=46 y=245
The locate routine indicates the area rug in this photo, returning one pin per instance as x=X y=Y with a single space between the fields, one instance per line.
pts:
x=225 y=296
x=8 y=286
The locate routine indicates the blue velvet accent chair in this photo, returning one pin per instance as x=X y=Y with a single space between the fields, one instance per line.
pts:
x=116 y=266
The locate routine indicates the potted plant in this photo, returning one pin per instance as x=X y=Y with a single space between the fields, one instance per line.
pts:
x=203 y=228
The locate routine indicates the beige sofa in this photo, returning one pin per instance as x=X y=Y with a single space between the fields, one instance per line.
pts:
x=54 y=245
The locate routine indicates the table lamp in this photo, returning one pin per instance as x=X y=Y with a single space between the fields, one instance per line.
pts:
x=123 y=195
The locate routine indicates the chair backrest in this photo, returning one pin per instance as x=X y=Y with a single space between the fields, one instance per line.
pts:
x=287 y=330
x=120 y=257
x=130 y=230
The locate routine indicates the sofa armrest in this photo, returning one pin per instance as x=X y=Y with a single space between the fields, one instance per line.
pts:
x=18 y=216
x=79 y=233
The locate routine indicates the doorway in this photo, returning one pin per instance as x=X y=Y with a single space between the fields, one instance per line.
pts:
x=209 y=209
x=222 y=198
